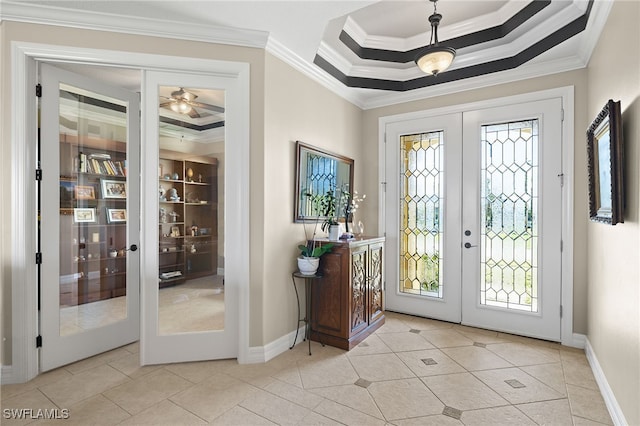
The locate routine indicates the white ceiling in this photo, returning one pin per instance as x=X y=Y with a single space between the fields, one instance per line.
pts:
x=300 y=31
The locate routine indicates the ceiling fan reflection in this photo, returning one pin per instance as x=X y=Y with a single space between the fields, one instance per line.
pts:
x=184 y=102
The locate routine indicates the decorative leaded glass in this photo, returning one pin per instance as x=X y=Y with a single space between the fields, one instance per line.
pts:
x=321 y=174
x=421 y=213
x=509 y=201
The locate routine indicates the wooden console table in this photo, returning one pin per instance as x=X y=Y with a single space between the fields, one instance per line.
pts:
x=348 y=303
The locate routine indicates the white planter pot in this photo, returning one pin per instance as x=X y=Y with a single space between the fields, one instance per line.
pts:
x=308 y=265
x=334 y=232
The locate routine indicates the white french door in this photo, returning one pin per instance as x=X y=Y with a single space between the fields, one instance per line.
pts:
x=423 y=216
x=473 y=217
x=89 y=226
x=190 y=308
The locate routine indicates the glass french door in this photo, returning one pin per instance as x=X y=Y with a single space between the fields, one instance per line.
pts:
x=89 y=217
x=511 y=251
x=423 y=217
x=473 y=218
x=190 y=311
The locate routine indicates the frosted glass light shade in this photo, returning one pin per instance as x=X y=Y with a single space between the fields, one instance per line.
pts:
x=181 y=107
x=435 y=59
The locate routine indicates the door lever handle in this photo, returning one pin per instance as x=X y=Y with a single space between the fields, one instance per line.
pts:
x=468 y=245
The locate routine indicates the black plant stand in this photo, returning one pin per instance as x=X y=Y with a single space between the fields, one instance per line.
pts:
x=308 y=280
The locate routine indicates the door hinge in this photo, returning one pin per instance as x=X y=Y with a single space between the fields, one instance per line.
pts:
x=38 y=258
x=384 y=184
x=39 y=90
x=560 y=311
x=561 y=177
x=38 y=174
x=561 y=245
x=562 y=114
x=38 y=341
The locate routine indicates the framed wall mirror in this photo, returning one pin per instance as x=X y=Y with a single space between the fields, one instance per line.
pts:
x=317 y=171
x=604 y=149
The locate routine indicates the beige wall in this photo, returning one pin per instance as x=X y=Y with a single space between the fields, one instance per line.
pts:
x=574 y=78
x=614 y=251
x=296 y=108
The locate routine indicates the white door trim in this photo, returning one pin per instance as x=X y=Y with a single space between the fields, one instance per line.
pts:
x=23 y=193
x=567 y=95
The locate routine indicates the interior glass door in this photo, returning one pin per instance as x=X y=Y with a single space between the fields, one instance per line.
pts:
x=190 y=310
x=89 y=217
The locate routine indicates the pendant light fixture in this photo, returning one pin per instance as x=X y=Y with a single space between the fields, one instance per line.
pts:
x=434 y=58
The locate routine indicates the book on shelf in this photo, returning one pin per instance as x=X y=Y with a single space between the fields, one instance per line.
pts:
x=101 y=164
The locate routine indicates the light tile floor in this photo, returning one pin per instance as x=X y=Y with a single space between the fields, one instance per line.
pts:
x=412 y=371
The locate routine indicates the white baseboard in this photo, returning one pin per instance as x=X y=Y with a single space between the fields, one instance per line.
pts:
x=617 y=416
x=260 y=354
x=577 y=341
x=7 y=376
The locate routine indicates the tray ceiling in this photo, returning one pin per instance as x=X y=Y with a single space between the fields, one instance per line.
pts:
x=363 y=50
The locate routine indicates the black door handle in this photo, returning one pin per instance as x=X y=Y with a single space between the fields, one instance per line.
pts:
x=468 y=245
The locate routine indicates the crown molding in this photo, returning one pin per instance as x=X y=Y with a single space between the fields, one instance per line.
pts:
x=312 y=71
x=52 y=15
x=598 y=19
x=524 y=72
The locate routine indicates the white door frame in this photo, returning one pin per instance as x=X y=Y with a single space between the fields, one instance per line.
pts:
x=23 y=189
x=567 y=95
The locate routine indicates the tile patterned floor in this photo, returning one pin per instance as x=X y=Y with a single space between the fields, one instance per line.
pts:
x=412 y=371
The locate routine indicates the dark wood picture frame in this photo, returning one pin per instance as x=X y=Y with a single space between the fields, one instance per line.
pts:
x=344 y=172
x=85 y=192
x=604 y=149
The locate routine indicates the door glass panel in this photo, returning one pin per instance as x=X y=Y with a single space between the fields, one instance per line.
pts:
x=509 y=223
x=190 y=210
x=421 y=201
x=93 y=210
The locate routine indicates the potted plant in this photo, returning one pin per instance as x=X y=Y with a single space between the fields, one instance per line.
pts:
x=310 y=253
x=328 y=203
x=309 y=258
x=336 y=202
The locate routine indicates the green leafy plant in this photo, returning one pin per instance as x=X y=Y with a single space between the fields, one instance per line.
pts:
x=311 y=250
x=328 y=204
x=338 y=202
x=313 y=247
